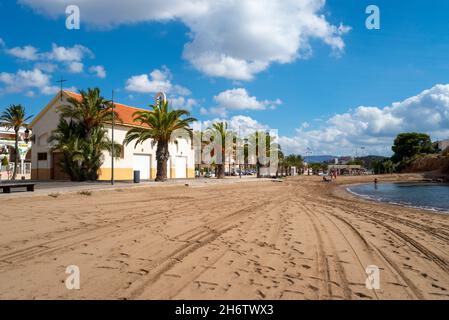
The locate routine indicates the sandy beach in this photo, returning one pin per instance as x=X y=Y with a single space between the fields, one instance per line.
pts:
x=297 y=239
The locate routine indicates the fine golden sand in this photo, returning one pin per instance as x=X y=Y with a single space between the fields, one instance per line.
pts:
x=297 y=239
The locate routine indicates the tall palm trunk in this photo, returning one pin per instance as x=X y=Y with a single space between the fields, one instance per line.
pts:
x=16 y=154
x=162 y=156
x=220 y=171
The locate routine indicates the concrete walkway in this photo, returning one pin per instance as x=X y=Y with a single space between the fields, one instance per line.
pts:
x=61 y=187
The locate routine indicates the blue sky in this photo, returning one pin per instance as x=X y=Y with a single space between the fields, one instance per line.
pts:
x=309 y=68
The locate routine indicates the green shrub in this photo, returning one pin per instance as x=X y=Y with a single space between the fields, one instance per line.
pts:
x=5 y=162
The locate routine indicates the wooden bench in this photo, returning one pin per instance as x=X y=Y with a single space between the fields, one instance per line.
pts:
x=7 y=187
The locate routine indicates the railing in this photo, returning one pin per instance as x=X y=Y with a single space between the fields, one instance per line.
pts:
x=24 y=170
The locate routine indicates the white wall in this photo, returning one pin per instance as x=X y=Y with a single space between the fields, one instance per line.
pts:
x=43 y=128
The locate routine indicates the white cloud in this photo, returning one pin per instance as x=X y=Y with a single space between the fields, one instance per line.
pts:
x=30 y=94
x=47 y=62
x=234 y=39
x=158 y=80
x=242 y=125
x=236 y=100
x=98 y=71
x=375 y=128
x=183 y=103
x=24 y=80
x=76 y=67
x=24 y=53
x=69 y=54
x=39 y=78
x=63 y=54
x=46 y=67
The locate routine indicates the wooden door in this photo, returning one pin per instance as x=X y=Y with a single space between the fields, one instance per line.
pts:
x=56 y=172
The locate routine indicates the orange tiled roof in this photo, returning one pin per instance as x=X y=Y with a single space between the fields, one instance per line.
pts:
x=125 y=112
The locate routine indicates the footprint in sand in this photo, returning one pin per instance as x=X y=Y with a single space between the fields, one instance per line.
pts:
x=438 y=287
x=305 y=266
x=362 y=295
x=313 y=288
x=261 y=294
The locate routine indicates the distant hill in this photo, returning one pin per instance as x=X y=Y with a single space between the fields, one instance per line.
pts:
x=318 y=159
x=368 y=160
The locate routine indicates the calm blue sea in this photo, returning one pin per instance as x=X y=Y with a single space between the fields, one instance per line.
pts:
x=429 y=196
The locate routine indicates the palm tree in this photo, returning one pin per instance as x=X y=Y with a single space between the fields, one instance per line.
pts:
x=83 y=138
x=14 y=117
x=199 y=146
x=294 y=160
x=282 y=163
x=220 y=130
x=253 y=143
x=91 y=111
x=93 y=151
x=158 y=125
x=67 y=139
x=82 y=156
x=389 y=166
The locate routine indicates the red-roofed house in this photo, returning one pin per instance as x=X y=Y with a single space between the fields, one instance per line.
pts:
x=141 y=157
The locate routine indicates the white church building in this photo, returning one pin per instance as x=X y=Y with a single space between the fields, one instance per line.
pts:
x=141 y=157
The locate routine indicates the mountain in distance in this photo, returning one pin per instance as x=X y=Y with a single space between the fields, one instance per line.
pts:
x=366 y=160
x=369 y=160
x=318 y=159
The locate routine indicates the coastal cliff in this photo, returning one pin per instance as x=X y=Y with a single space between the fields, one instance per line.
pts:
x=437 y=165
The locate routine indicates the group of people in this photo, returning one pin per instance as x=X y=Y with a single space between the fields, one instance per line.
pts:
x=333 y=176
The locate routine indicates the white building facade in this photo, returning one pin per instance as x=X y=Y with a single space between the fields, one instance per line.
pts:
x=45 y=162
x=7 y=144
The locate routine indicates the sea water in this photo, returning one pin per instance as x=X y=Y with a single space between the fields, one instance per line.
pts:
x=430 y=196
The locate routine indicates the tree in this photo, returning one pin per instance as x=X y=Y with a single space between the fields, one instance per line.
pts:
x=294 y=160
x=408 y=145
x=388 y=166
x=82 y=139
x=91 y=111
x=385 y=166
x=317 y=167
x=282 y=163
x=159 y=125
x=219 y=130
x=254 y=144
x=14 y=117
x=67 y=140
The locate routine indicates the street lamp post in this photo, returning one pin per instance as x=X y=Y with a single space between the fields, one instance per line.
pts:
x=27 y=136
x=308 y=153
x=113 y=144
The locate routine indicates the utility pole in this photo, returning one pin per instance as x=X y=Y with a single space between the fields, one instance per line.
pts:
x=60 y=83
x=113 y=142
x=308 y=154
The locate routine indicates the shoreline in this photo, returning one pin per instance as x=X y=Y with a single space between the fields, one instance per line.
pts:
x=368 y=198
x=399 y=204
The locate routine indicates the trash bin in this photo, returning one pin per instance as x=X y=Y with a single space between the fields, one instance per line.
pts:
x=136 y=176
